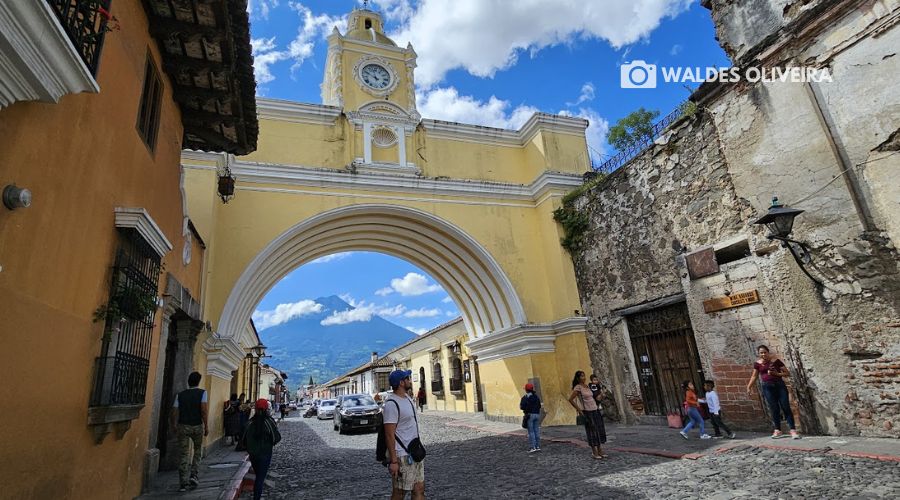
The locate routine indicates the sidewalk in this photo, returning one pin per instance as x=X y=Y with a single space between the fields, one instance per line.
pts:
x=221 y=474
x=665 y=442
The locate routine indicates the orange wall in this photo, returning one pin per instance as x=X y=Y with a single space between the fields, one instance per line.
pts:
x=80 y=158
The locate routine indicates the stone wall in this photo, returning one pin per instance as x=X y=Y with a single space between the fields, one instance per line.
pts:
x=827 y=148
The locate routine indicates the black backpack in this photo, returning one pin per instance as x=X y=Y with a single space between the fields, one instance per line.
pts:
x=381 y=454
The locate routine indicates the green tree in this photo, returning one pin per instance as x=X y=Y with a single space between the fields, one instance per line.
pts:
x=633 y=129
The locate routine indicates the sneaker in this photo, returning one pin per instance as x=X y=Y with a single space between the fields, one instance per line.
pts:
x=532 y=450
x=795 y=434
x=732 y=436
x=537 y=449
x=183 y=487
x=777 y=434
x=194 y=482
x=705 y=436
x=683 y=434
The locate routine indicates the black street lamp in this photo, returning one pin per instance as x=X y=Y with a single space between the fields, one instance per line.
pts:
x=780 y=222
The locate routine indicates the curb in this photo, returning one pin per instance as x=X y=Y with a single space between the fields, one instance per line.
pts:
x=232 y=489
x=689 y=455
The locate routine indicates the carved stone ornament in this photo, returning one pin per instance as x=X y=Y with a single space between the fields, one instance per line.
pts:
x=384 y=63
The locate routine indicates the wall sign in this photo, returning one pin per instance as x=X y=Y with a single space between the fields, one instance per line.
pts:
x=731 y=301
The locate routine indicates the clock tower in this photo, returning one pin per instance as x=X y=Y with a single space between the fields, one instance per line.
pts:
x=371 y=79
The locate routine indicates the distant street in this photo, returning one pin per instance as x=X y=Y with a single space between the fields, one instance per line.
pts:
x=313 y=461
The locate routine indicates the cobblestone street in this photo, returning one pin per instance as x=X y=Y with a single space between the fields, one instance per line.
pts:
x=313 y=461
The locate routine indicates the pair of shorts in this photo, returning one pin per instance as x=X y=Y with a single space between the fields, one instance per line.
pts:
x=410 y=474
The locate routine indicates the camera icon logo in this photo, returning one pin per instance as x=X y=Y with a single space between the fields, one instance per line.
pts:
x=638 y=75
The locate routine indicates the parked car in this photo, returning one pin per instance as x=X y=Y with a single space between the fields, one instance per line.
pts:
x=326 y=409
x=357 y=411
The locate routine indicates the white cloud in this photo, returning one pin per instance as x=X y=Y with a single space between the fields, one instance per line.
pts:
x=446 y=104
x=676 y=49
x=331 y=258
x=596 y=131
x=361 y=312
x=261 y=8
x=312 y=28
x=447 y=300
x=417 y=331
x=381 y=292
x=489 y=36
x=394 y=10
x=346 y=297
x=392 y=311
x=285 y=312
x=587 y=94
x=411 y=285
x=422 y=313
x=451 y=314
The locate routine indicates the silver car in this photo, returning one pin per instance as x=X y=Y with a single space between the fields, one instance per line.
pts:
x=326 y=409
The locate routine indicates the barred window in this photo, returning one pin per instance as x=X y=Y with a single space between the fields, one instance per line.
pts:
x=121 y=369
x=381 y=380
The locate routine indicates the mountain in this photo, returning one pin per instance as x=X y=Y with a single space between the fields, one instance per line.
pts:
x=303 y=347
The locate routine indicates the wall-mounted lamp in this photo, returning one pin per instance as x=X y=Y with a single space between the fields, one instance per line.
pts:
x=15 y=197
x=259 y=350
x=780 y=222
x=226 y=187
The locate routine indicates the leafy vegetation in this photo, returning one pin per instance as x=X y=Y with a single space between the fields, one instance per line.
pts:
x=632 y=130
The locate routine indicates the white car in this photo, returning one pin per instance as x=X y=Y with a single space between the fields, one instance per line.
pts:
x=326 y=409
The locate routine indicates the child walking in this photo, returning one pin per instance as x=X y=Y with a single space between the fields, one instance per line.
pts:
x=711 y=398
x=692 y=408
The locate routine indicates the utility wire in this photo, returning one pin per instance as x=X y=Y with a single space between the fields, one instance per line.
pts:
x=838 y=176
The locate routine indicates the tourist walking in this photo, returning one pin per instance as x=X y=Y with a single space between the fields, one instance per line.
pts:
x=772 y=371
x=190 y=412
x=401 y=432
x=711 y=398
x=232 y=420
x=260 y=438
x=531 y=405
x=590 y=413
x=692 y=411
x=421 y=397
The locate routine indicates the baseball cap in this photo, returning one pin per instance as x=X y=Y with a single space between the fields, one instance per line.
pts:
x=397 y=376
x=529 y=387
x=262 y=404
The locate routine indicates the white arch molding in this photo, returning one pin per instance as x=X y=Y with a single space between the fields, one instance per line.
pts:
x=470 y=275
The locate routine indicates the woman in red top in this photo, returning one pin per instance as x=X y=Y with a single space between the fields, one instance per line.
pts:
x=692 y=409
x=772 y=372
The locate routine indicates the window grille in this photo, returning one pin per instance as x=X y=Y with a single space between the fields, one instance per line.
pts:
x=122 y=367
x=85 y=25
x=456 y=374
x=437 y=379
x=381 y=379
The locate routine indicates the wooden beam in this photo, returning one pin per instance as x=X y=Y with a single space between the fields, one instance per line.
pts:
x=176 y=62
x=161 y=27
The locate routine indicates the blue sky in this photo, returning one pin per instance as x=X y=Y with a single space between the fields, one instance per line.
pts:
x=487 y=62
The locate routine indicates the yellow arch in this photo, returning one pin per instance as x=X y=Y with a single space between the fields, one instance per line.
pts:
x=482 y=291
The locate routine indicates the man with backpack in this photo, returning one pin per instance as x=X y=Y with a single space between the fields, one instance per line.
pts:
x=401 y=436
x=190 y=412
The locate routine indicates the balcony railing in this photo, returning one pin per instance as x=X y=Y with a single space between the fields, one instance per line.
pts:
x=86 y=26
x=456 y=384
x=642 y=144
x=437 y=386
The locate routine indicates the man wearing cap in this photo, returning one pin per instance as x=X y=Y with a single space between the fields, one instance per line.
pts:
x=401 y=427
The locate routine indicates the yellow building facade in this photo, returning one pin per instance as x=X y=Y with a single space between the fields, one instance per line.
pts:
x=101 y=273
x=470 y=205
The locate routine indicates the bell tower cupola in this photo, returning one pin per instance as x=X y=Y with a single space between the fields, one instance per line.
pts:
x=371 y=79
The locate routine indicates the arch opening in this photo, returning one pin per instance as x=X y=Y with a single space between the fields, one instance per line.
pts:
x=482 y=292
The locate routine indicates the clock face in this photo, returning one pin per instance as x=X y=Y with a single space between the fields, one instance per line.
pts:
x=375 y=76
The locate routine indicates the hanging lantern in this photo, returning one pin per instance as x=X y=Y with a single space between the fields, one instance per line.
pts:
x=226 y=186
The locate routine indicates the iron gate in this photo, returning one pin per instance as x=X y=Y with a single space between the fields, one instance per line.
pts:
x=665 y=354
